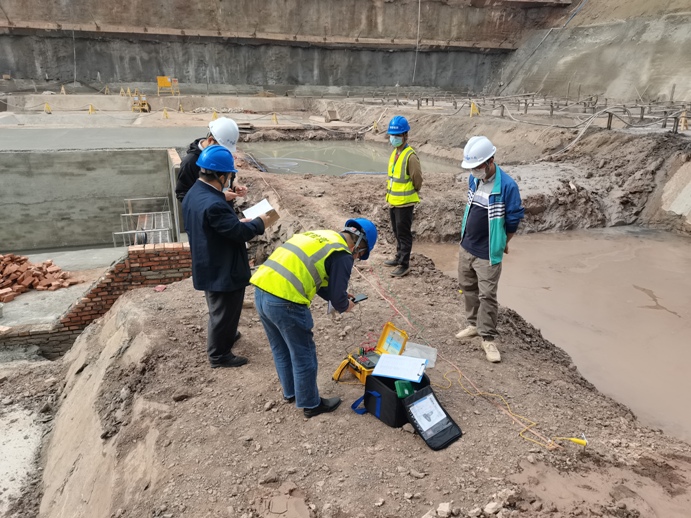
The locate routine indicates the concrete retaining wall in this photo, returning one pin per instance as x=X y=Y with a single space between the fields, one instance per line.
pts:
x=115 y=102
x=226 y=62
x=289 y=20
x=73 y=198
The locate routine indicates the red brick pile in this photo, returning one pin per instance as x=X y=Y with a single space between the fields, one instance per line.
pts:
x=18 y=275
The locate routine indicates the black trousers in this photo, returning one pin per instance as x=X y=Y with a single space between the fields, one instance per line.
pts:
x=224 y=316
x=402 y=225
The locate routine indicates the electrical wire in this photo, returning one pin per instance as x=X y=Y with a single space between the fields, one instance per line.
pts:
x=527 y=425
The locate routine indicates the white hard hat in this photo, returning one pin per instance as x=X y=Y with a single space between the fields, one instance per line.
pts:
x=225 y=131
x=476 y=152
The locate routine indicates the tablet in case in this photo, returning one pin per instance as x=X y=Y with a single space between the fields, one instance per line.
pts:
x=430 y=420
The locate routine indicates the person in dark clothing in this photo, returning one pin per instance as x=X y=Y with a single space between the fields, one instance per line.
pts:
x=223 y=132
x=220 y=266
x=312 y=263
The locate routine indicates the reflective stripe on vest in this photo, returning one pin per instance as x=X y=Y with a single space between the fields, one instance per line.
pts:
x=400 y=189
x=296 y=270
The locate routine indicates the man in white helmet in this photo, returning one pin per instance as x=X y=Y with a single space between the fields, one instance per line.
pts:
x=223 y=132
x=491 y=218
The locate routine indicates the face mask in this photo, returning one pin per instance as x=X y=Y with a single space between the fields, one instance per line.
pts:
x=480 y=174
x=395 y=141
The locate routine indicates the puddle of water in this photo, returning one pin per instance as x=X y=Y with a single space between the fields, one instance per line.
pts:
x=331 y=158
x=618 y=301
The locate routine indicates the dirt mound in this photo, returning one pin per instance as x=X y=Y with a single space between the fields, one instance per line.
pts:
x=146 y=428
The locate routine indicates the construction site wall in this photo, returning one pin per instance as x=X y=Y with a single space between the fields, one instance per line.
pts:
x=637 y=58
x=73 y=198
x=226 y=62
x=294 y=21
x=616 y=48
x=270 y=42
x=144 y=265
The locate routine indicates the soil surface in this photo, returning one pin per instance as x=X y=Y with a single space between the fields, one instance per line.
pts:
x=139 y=425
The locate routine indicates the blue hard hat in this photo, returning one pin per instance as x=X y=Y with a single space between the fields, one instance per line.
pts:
x=217 y=158
x=398 y=125
x=369 y=230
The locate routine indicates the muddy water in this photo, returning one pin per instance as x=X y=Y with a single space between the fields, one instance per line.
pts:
x=330 y=158
x=618 y=301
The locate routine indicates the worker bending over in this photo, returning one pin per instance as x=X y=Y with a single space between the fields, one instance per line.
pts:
x=312 y=263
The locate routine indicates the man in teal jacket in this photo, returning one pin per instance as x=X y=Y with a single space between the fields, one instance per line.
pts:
x=491 y=218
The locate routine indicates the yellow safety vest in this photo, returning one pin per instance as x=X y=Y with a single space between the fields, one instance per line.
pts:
x=399 y=186
x=295 y=270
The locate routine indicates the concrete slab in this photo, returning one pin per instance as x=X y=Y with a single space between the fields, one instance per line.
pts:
x=137 y=133
x=78 y=260
x=42 y=307
x=46 y=307
x=37 y=139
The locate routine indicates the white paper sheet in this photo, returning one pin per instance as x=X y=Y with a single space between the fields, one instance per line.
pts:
x=400 y=367
x=257 y=210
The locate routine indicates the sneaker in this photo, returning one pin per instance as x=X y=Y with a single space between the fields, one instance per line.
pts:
x=468 y=332
x=326 y=405
x=392 y=262
x=235 y=361
x=290 y=399
x=491 y=351
x=400 y=271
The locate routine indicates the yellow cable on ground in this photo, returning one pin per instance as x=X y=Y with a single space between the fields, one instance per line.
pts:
x=527 y=424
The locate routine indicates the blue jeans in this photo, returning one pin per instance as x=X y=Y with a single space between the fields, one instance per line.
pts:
x=288 y=327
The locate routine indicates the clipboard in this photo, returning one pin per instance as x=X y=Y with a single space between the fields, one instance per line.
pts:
x=400 y=367
x=263 y=207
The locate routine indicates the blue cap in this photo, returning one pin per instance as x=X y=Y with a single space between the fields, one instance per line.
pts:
x=398 y=125
x=217 y=158
x=370 y=231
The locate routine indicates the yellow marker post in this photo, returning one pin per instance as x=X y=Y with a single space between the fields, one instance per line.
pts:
x=581 y=441
x=91 y=109
x=474 y=110
x=180 y=108
x=214 y=116
x=275 y=118
x=46 y=108
x=165 y=113
x=62 y=90
x=122 y=92
x=129 y=93
x=106 y=90
x=683 y=122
